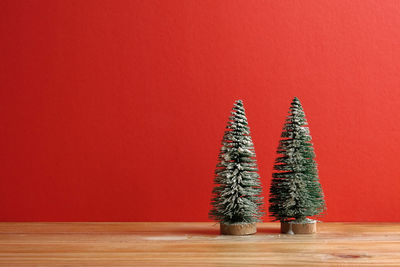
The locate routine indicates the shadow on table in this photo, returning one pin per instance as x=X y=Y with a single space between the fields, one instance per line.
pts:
x=214 y=230
x=210 y=231
x=268 y=230
x=263 y=230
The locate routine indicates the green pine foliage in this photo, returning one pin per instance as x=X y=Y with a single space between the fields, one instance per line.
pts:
x=295 y=192
x=237 y=192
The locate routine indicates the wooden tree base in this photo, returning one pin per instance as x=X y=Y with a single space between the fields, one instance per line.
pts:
x=298 y=228
x=238 y=229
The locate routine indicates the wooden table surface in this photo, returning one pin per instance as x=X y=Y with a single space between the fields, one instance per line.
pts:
x=195 y=244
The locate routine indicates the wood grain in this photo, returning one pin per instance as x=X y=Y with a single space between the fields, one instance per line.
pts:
x=195 y=244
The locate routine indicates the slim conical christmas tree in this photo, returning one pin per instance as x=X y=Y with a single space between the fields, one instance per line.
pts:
x=236 y=197
x=295 y=192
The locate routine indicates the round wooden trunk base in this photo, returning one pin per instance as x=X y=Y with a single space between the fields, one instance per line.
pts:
x=238 y=229
x=298 y=228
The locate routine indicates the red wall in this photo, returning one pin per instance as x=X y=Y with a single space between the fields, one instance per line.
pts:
x=114 y=110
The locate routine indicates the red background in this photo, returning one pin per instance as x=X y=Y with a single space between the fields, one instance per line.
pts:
x=114 y=110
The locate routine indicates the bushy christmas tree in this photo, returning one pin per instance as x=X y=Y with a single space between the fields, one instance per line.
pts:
x=236 y=196
x=295 y=192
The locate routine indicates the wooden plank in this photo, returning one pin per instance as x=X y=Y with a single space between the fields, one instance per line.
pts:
x=195 y=244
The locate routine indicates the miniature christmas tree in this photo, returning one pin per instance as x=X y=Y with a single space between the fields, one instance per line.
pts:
x=236 y=201
x=295 y=192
